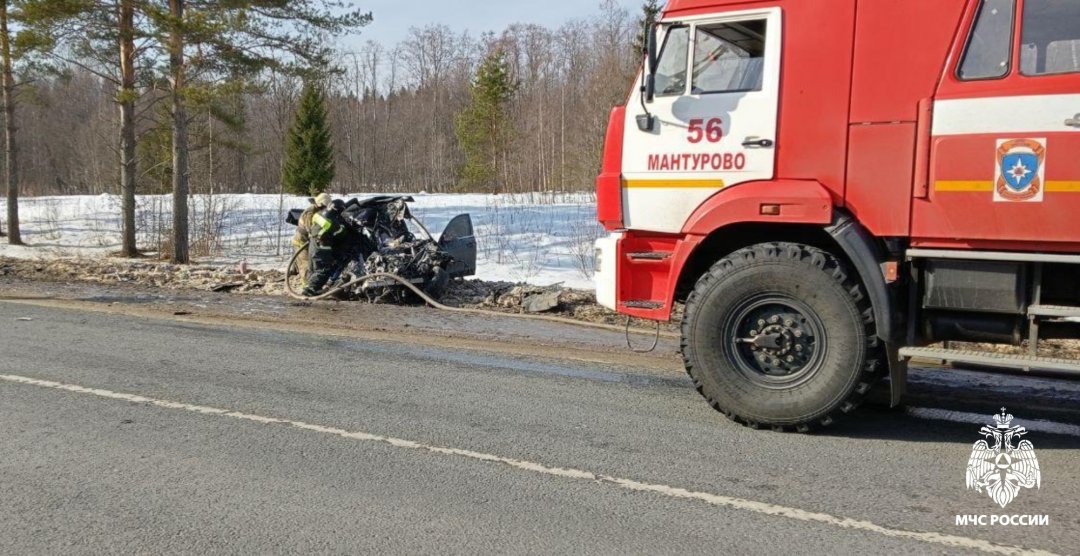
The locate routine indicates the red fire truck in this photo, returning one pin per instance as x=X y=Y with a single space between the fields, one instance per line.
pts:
x=833 y=187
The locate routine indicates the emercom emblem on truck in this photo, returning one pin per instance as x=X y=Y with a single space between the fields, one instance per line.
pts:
x=1021 y=170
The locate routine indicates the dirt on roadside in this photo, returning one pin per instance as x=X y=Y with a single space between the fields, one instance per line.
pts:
x=505 y=297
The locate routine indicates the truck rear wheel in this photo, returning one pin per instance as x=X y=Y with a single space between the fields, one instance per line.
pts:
x=781 y=335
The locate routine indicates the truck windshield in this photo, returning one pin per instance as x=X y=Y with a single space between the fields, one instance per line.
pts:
x=729 y=57
x=1050 y=39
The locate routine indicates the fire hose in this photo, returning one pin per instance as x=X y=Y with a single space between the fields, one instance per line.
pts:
x=443 y=307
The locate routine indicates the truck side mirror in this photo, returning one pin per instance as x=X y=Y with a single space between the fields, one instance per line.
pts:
x=648 y=86
x=650 y=48
x=646 y=123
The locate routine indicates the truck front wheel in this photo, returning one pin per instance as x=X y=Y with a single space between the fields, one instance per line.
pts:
x=781 y=335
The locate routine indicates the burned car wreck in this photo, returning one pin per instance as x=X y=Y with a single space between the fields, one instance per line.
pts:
x=383 y=243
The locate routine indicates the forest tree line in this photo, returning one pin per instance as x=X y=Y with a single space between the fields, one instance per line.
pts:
x=193 y=96
x=392 y=110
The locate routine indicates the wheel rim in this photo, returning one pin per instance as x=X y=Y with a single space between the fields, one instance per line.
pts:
x=775 y=341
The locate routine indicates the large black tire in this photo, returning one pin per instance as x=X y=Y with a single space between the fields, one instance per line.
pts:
x=781 y=335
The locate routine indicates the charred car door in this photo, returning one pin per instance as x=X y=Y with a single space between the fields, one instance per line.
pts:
x=459 y=242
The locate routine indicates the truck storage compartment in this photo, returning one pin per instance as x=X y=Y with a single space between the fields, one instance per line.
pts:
x=943 y=326
x=976 y=286
x=1060 y=284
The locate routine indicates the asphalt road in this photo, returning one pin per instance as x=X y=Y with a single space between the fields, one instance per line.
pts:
x=123 y=434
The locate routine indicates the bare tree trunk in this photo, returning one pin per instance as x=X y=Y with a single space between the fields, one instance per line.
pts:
x=354 y=147
x=126 y=99
x=241 y=154
x=181 y=253
x=373 y=61
x=11 y=168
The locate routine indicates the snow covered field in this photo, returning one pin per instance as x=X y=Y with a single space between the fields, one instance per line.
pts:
x=540 y=239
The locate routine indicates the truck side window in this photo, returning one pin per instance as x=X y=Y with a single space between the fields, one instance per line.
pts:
x=729 y=57
x=671 y=69
x=989 y=49
x=1050 y=38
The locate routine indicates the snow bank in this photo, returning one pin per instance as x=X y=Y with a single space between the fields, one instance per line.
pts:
x=539 y=239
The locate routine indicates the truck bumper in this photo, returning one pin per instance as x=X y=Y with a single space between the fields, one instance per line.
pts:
x=607 y=270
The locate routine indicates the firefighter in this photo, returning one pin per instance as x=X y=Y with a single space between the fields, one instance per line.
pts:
x=332 y=244
x=303 y=235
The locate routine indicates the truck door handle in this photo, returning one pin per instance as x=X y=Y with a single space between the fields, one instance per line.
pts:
x=1073 y=121
x=757 y=143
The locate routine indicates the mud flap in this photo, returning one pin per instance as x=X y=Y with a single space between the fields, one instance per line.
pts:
x=459 y=242
x=898 y=368
x=888 y=394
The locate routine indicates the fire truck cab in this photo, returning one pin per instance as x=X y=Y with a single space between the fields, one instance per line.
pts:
x=832 y=186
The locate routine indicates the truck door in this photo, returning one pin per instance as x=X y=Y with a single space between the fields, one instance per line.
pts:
x=1005 y=146
x=715 y=115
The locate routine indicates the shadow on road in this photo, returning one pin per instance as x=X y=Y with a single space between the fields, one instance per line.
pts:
x=875 y=423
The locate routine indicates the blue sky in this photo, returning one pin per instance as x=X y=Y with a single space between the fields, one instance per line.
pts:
x=394 y=17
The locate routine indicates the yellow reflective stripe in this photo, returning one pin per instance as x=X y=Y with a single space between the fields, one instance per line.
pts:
x=964 y=185
x=323 y=224
x=673 y=183
x=1063 y=186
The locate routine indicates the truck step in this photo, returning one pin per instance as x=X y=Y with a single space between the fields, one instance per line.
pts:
x=1054 y=311
x=1026 y=363
x=642 y=304
x=650 y=255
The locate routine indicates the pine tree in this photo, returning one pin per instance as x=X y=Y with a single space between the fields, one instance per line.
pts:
x=309 y=149
x=209 y=44
x=103 y=38
x=483 y=128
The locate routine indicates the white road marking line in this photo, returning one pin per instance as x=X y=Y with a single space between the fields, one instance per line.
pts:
x=1037 y=425
x=763 y=508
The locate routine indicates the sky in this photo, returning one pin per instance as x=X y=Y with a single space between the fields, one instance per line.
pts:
x=394 y=17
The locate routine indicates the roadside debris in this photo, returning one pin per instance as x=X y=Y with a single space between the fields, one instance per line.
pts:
x=141 y=275
x=541 y=302
x=504 y=297
x=149 y=273
x=226 y=287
